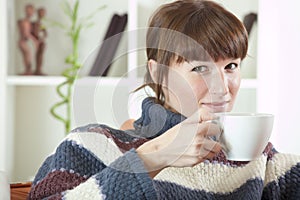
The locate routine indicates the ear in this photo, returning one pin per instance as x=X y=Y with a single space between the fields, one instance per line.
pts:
x=152 y=66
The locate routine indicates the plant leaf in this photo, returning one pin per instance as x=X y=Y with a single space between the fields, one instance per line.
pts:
x=75 y=12
x=56 y=24
x=89 y=25
x=66 y=7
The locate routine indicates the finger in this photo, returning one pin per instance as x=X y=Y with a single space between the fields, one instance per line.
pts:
x=212 y=146
x=207 y=149
x=190 y=132
x=204 y=154
x=201 y=115
x=209 y=129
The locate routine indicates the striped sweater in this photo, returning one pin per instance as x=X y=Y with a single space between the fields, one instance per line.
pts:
x=98 y=162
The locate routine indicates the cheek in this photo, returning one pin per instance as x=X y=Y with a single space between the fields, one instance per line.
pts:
x=200 y=89
x=191 y=96
x=234 y=85
x=185 y=93
x=193 y=88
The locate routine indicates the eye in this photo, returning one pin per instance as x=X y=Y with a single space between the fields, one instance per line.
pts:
x=231 y=66
x=200 y=69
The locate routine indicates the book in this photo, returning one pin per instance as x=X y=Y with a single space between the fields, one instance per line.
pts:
x=109 y=46
x=249 y=20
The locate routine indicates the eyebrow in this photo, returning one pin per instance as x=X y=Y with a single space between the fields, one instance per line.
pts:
x=197 y=62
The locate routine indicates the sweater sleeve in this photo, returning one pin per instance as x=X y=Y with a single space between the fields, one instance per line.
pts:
x=74 y=171
x=125 y=178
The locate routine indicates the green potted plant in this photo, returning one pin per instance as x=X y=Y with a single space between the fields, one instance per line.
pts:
x=73 y=30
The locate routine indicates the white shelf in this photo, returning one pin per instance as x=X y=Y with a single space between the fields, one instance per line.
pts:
x=55 y=80
x=104 y=81
x=34 y=80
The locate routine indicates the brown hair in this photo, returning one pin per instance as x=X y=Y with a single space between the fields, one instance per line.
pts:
x=192 y=30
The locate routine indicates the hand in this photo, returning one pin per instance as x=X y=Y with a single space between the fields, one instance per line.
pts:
x=184 y=145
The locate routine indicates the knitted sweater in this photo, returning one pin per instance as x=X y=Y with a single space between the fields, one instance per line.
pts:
x=98 y=162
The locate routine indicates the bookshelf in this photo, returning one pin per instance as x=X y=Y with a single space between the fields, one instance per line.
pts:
x=34 y=80
x=28 y=131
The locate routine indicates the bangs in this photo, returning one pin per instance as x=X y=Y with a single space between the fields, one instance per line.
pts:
x=176 y=46
x=215 y=37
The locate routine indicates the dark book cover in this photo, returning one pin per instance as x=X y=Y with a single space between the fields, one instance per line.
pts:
x=249 y=21
x=109 y=45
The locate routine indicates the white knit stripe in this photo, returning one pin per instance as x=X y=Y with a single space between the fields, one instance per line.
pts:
x=214 y=177
x=104 y=148
x=279 y=165
x=88 y=190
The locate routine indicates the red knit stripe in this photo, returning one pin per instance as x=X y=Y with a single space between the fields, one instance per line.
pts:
x=55 y=182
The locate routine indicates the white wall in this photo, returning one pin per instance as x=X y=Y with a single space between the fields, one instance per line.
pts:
x=279 y=43
x=6 y=137
x=3 y=63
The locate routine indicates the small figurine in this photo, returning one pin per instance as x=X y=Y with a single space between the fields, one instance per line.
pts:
x=25 y=28
x=40 y=33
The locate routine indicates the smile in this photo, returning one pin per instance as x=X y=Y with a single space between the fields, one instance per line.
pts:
x=217 y=106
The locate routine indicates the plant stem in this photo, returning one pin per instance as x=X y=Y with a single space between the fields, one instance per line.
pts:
x=70 y=73
x=68 y=121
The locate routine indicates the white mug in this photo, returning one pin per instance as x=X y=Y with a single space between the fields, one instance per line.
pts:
x=245 y=135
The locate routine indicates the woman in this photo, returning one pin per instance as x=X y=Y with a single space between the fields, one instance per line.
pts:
x=194 y=51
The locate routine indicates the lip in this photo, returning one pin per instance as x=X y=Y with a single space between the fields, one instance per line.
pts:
x=217 y=106
x=216 y=103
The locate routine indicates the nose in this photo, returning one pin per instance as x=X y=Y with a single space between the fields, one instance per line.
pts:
x=218 y=83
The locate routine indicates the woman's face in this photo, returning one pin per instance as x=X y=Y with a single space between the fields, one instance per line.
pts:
x=198 y=84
